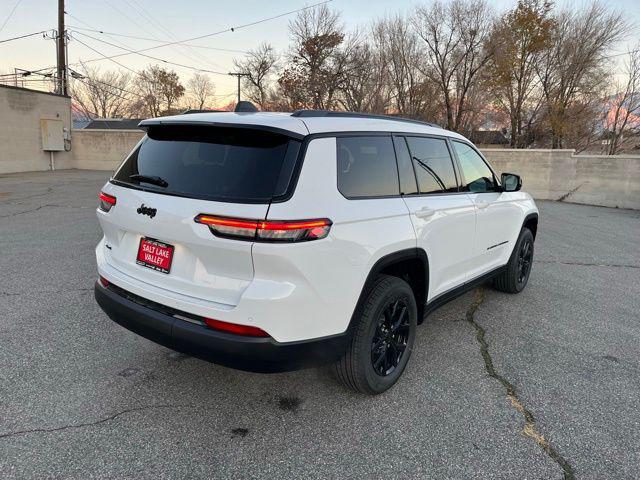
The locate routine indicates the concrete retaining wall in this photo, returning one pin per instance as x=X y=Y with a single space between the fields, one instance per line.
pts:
x=21 y=111
x=610 y=181
x=103 y=149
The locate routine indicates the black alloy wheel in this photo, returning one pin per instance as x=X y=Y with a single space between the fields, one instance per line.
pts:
x=382 y=338
x=391 y=337
x=525 y=258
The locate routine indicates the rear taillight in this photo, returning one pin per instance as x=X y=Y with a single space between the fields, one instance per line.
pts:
x=267 y=230
x=106 y=201
x=236 y=329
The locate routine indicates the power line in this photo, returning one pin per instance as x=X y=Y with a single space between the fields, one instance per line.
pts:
x=80 y=78
x=191 y=67
x=230 y=29
x=195 y=55
x=623 y=53
x=131 y=19
x=24 y=36
x=10 y=15
x=107 y=58
x=230 y=50
x=127 y=68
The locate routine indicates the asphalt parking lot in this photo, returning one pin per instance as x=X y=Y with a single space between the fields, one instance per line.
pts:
x=540 y=385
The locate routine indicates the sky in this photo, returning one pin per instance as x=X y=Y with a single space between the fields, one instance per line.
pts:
x=171 y=20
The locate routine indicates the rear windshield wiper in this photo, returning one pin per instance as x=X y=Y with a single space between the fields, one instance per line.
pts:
x=152 y=179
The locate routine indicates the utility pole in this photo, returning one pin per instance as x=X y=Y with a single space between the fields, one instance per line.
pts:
x=239 y=75
x=62 y=58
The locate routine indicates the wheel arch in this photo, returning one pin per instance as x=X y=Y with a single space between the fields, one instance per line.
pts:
x=531 y=222
x=411 y=265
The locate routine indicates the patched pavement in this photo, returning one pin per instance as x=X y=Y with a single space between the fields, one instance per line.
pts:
x=544 y=384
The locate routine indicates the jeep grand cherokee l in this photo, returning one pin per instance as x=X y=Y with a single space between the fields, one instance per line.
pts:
x=275 y=241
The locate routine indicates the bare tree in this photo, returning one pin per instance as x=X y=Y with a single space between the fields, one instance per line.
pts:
x=518 y=41
x=102 y=94
x=316 y=62
x=201 y=89
x=260 y=66
x=363 y=85
x=572 y=73
x=403 y=65
x=457 y=49
x=160 y=89
x=623 y=112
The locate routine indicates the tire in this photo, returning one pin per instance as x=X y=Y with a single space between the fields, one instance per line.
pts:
x=516 y=274
x=388 y=317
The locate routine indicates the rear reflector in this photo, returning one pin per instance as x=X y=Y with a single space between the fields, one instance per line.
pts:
x=103 y=281
x=236 y=329
x=106 y=201
x=267 y=230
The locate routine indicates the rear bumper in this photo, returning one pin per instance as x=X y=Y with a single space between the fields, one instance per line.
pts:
x=244 y=353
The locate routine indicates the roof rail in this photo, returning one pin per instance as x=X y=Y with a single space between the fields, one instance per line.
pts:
x=330 y=113
x=195 y=110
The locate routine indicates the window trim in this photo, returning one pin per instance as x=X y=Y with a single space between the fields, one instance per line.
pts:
x=469 y=144
x=306 y=139
x=400 y=138
x=453 y=165
x=395 y=158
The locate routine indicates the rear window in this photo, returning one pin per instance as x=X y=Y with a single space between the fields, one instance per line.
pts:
x=224 y=164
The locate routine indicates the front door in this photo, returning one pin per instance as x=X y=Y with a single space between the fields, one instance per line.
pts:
x=498 y=216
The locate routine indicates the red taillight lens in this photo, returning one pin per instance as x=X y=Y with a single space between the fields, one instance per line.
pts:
x=267 y=230
x=106 y=201
x=103 y=281
x=236 y=329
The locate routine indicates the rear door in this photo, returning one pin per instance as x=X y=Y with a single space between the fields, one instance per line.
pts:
x=443 y=218
x=177 y=173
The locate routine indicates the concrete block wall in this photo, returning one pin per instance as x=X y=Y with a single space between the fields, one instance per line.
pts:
x=103 y=149
x=610 y=181
x=20 y=137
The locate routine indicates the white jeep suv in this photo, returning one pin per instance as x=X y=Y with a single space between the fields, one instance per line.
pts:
x=275 y=241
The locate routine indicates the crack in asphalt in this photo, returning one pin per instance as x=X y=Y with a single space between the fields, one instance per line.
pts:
x=24 y=211
x=584 y=264
x=50 y=205
x=16 y=200
x=12 y=294
x=94 y=423
x=529 y=428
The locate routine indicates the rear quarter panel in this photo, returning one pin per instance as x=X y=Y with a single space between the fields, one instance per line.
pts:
x=326 y=276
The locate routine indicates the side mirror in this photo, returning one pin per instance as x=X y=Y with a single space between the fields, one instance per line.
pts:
x=511 y=182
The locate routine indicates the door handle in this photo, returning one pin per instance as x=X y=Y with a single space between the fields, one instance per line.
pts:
x=425 y=212
x=482 y=205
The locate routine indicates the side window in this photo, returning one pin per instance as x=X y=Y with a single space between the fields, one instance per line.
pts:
x=433 y=165
x=366 y=167
x=478 y=177
x=405 y=168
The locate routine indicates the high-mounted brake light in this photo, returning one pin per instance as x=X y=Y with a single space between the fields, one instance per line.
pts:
x=106 y=201
x=267 y=230
x=235 y=328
